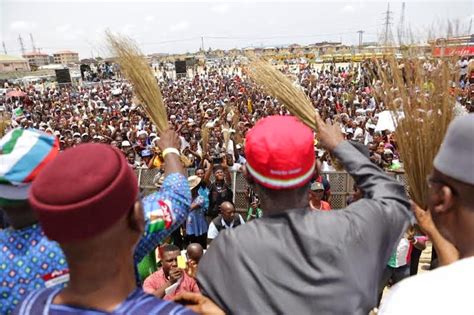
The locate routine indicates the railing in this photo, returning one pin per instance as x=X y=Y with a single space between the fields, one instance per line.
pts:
x=341 y=186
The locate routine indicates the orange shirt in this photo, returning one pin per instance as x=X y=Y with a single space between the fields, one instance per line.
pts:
x=325 y=206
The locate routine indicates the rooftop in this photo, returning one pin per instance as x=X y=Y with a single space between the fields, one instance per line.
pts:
x=11 y=58
x=33 y=53
x=65 y=52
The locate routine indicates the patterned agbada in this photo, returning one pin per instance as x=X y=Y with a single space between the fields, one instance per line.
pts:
x=137 y=303
x=28 y=259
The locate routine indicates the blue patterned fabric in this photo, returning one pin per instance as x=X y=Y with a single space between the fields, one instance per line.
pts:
x=26 y=257
x=169 y=206
x=137 y=303
x=196 y=223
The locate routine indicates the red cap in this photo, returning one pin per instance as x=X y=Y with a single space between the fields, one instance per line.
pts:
x=83 y=192
x=280 y=152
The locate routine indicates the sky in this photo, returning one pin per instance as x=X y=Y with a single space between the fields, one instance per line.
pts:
x=183 y=26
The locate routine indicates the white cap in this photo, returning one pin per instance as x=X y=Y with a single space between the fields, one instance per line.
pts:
x=125 y=143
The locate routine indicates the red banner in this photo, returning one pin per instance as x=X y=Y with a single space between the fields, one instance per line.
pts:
x=462 y=51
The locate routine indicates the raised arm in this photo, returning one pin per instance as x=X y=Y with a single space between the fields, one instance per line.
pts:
x=379 y=219
x=166 y=209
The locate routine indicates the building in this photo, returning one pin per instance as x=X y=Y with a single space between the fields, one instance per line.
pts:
x=12 y=63
x=66 y=57
x=37 y=59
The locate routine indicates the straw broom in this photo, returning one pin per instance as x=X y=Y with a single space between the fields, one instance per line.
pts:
x=423 y=107
x=136 y=69
x=205 y=139
x=4 y=123
x=279 y=86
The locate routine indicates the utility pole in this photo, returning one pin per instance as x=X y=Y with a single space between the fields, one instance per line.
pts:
x=32 y=42
x=361 y=32
x=387 y=38
x=4 y=48
x=202 y=43
x=22 y=46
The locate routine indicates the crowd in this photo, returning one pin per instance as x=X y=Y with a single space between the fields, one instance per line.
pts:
x=219 y=101
x=86 y=199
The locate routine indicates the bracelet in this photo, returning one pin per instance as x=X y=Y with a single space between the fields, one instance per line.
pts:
x=170 y=150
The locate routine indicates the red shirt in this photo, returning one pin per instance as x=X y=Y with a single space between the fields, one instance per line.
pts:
x=158 y=279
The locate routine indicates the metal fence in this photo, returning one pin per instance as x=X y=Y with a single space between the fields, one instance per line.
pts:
x=341 y=186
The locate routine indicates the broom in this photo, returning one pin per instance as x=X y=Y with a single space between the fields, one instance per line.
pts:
x=279 y=86
x=205 y=140
x=136 y=69
x=423 y=107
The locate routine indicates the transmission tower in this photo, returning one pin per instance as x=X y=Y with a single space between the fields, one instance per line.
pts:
x=401 y=26
x=387 y=36
x=360 y=38
x=32 y=42
x=4 y=48
x=22 y=46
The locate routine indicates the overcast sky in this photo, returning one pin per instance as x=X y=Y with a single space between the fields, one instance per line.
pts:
x=169 y=27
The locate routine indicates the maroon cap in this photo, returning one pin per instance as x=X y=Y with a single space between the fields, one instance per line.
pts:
x=280 y=152
x=83 y=192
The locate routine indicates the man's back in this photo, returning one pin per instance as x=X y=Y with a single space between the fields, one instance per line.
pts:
x=321 y=258
x=305 y=262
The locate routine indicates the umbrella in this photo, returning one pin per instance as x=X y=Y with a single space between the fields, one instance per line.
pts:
x=16 y=94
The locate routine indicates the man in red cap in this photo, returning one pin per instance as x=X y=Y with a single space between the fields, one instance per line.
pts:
x=87 y=201
x=295 y=261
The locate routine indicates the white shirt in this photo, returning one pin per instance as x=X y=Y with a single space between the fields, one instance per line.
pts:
x=446 y=290
x=212 y=232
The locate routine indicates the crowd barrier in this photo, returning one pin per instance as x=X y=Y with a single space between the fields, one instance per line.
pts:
x=341 y=186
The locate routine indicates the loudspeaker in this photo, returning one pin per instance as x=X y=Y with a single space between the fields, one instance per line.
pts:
x=180 y=66
x=83 y=69
x=63 y=76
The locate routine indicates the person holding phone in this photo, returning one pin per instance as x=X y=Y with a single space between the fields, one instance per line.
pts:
x=169 y=280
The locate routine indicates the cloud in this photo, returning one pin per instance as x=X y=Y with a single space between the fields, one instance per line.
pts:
x=181 y=26
x=127 y=29
x=63 y=28
x=348 y=8
x=21 y=25
x=150 y=18
x=221 y=8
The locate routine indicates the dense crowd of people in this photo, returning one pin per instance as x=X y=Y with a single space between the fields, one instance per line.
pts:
x=76 y=226
x=219 y=99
